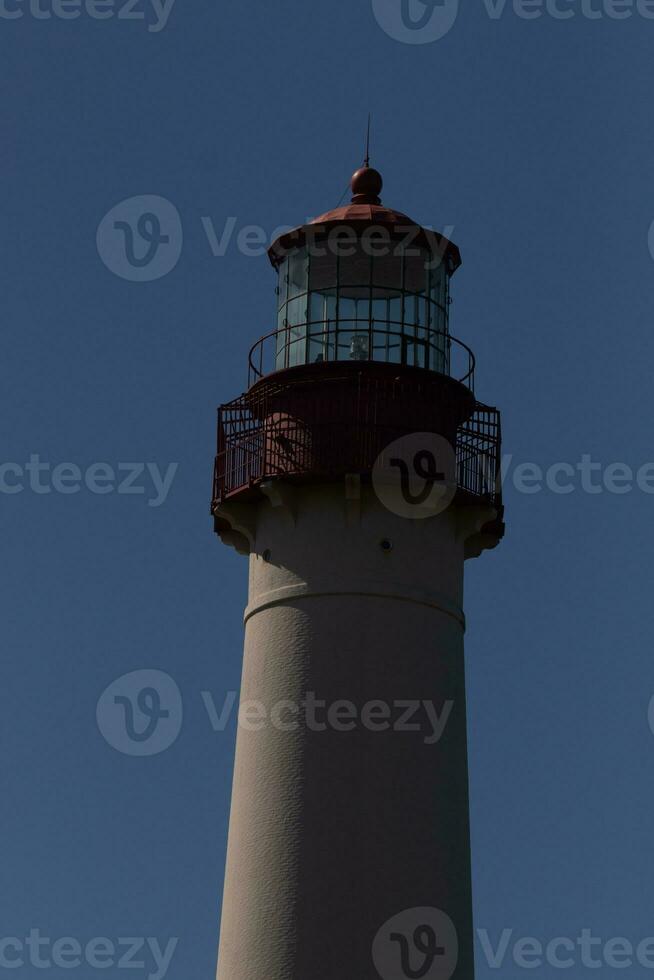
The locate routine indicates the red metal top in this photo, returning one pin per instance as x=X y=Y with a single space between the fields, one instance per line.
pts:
x=370 y=213
x=365 y=211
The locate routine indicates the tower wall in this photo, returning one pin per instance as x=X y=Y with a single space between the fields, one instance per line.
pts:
x=333 y=832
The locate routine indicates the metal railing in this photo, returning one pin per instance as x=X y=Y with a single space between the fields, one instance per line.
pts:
x=257 y=441
x=438 y=352
x=478 y=454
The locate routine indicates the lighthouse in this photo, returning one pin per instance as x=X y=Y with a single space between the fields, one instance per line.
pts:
x=357 y=473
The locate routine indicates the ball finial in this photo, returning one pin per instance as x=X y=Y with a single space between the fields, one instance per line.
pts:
x=366 y=185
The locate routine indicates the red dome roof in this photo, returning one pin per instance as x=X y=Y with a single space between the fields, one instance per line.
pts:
x=370 y=213
x=365 y=211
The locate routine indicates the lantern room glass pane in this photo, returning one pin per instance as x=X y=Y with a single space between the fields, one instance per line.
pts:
x=387 y=270
x=416 y=270
x=438 y=280
x=296 y=310
x=297 y=345
x=280 y=351
x=352 y=304
x=354 y=307
x=321 y=348
x=283 y=283
x=353 y=344
x=387 y=347
x=355 y=270
x=380 y=310
x=322 y=310
x=395 y=312
x=410 y=313
x=323 y=272
x=415 y=352
x=438 y=360
x=298 y=274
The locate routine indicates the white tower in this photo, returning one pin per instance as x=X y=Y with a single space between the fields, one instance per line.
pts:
x=358 y=472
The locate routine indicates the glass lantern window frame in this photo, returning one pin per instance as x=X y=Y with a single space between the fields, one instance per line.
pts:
x=295 y=325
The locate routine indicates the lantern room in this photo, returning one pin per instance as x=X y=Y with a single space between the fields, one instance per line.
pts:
x=361 y=356
x=363 y=283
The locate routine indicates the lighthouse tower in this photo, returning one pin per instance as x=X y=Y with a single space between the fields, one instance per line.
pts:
x=357 y=473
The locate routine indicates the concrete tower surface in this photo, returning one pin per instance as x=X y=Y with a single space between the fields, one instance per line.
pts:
x=358 y=472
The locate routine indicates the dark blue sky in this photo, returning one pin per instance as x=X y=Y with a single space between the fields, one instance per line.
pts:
x=532 y=141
